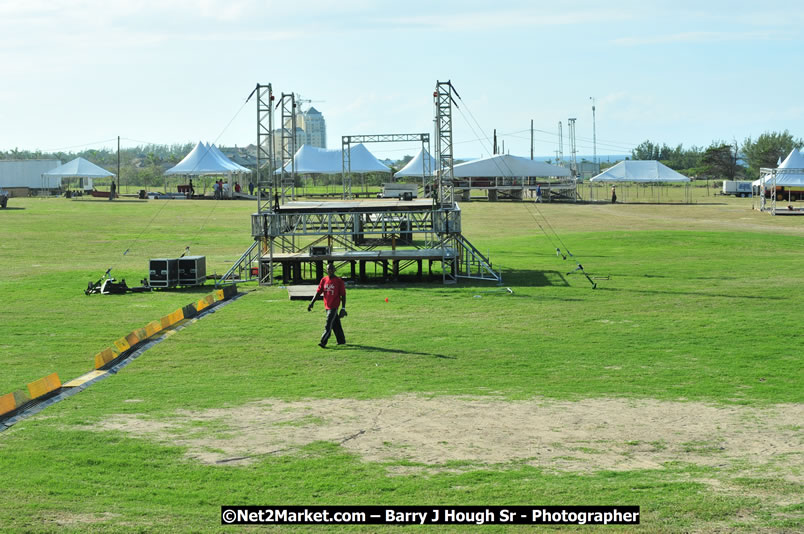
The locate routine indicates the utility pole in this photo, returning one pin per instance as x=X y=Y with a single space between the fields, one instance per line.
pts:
x=560 y=155
x=573 y=160
x=531 y=139
x=118 y=165
x=594 y=134
x=495 y=141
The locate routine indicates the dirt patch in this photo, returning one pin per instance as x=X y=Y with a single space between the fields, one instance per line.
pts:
x=66 y=519
x=589 y=435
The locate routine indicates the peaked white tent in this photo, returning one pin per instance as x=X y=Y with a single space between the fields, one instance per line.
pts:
x=314 y=160
x=504 y=165
x=77 y=168
x=641 y=172
x=416 y=166
x=206 y=160
x=226 y=161
x=790 y=172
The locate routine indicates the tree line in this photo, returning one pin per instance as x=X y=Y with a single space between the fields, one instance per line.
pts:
x=141 y=165
x=145 y=165
x=722 y=160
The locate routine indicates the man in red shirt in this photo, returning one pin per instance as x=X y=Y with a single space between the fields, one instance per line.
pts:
x=334 y=291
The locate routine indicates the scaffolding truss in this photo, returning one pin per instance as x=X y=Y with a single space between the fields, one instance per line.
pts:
x=346 y=154
x=287 y=176
x=290 y=234
x=265 y=147
x=769 y=191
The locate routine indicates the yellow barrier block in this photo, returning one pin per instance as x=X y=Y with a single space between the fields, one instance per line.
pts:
x=11 y=401
x=176 y=316
x=133 y=338
x=43 y=386
x=7 y=403
x=122 y=345
x=83 y=379
x=205 y=302
x=219 y=294
x=154 y=327
x=165 y=322
x=104 y=357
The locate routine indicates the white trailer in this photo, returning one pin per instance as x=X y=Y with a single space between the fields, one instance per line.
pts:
x=19 y=174
x=737 y=188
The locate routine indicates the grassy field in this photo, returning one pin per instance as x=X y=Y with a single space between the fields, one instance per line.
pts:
x=674 y=386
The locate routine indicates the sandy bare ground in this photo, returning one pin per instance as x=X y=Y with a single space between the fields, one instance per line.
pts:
x=585 y=436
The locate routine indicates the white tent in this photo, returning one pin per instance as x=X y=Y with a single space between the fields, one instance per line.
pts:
x=313 y=160
x=506 y=166
x=222 y=157
x=639 y=171
x=416 y=166
x=789 y=172
x=205 y=160
x=77 y=168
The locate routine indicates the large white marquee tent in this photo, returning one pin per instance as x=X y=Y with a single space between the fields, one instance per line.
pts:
x=416 y=166
x=640 y=174
x=206 y=159
x=313 y=160
x=507 y=166
x=77 y=168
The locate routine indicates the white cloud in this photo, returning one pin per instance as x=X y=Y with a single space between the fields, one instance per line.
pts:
x=703 y=37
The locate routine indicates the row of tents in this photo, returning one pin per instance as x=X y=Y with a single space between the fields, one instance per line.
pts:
x=207 y=159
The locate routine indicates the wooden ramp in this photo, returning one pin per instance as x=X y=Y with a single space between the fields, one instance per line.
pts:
x=302 y=292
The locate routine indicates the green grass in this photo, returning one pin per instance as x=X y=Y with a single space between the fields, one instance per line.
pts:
x=700 y=305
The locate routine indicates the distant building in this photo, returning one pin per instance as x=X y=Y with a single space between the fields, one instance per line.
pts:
x=314 y=126
x=301 y=138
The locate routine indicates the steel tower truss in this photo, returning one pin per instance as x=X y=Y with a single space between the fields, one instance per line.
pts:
x=287 y=176
x=445 y=180
x=346 y=155
x=446 y=215
x=265 y=148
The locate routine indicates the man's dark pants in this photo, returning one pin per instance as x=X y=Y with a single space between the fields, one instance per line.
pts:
x=333 y=324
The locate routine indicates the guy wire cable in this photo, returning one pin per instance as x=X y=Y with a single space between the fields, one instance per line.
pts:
x=159 y=211
x=499 y=168
x=558 y=237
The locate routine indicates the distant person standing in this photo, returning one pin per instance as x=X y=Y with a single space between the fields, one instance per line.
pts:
x=613 y=194
x=112 y=191
x=538 y=192
x=251 y=188
x=334 y=291
x=192 y=189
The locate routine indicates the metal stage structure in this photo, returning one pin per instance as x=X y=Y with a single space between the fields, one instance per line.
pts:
x=292 y=239
x=769 y=191
x=346 y=156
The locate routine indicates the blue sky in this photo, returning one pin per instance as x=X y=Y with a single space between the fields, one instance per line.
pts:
x=76 y=74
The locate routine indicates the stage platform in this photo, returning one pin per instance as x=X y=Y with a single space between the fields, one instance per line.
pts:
x=302 y=292
x=356 y=206
x=367 y=255
x=298 y=266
